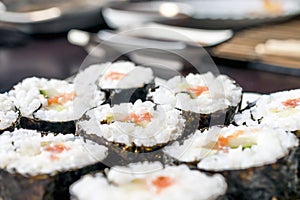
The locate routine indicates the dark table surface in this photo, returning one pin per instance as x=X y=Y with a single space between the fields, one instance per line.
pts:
x=54 y=57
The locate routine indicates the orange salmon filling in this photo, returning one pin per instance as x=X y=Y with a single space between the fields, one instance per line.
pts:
x=54 y=157
x=198 y=90
x=57 y=148
x=115 y=75
x=138 y=118
x=61 y=99
x=225 y=141
x=292 y=103
x=273 y=7
x=162 y=182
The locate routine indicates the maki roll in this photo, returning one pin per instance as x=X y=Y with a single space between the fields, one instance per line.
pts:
x=8 y=114
x=43 y=167
x=253 y=159
x=205 y=99
x=49 y=105
x=149 y=181
x=130 y=129
x=122 y=81
x=253 y=146
x=279 y=110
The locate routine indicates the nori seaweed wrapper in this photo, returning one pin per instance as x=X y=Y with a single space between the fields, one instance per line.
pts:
x=297 y=133
x=277 y=181
x=274 y=181
x=47 y=126
x=118 y=96
x=10 y=128
x=121 y=154
x=222 y=117
x=14 y=186
x=199 y=121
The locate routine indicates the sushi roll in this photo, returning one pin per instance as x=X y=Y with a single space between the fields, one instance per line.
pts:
x=8 y=114
x=253 y=159
x=129 y=129
x=205 y=99
x=33 y=166
x=279 y=110
x=122 y=81
x=149 y=181
x=50 y=105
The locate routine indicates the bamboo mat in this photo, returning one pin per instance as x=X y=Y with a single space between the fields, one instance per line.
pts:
x=242 y=46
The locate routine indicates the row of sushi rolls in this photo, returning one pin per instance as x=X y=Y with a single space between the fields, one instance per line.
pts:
x=116 y=131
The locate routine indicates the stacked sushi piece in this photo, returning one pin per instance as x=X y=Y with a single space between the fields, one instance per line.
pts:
x=49 y=105
x=122 y=82
x=279 y=110
x=117 y=131
x=149 y=181
x=204 y=99
x=36 y=166
x=252 y=158
x=148 y=125
x=211 y=99
x=41 y=154
x=134 y=131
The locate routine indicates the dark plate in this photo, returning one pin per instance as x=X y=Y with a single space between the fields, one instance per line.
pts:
x=216 y=24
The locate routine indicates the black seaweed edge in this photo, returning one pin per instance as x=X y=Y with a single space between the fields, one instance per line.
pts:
x=116 y=96
x=260 y=187
x=48 y=126
x=45 y=186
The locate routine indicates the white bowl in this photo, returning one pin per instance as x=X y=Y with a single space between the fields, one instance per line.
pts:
x=126 y=14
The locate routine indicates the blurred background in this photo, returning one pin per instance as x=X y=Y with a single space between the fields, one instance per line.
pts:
x=255 y=42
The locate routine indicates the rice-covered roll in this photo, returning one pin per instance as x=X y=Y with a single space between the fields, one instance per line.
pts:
x=213 y=100
x=149 y=181
x=234 y=147
x=133 y=128
x=279 y=110
x=43 y=167
x=122 y=81
x=49 y=105
x=251 y=158
x=142 y=124
x=8 y=114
